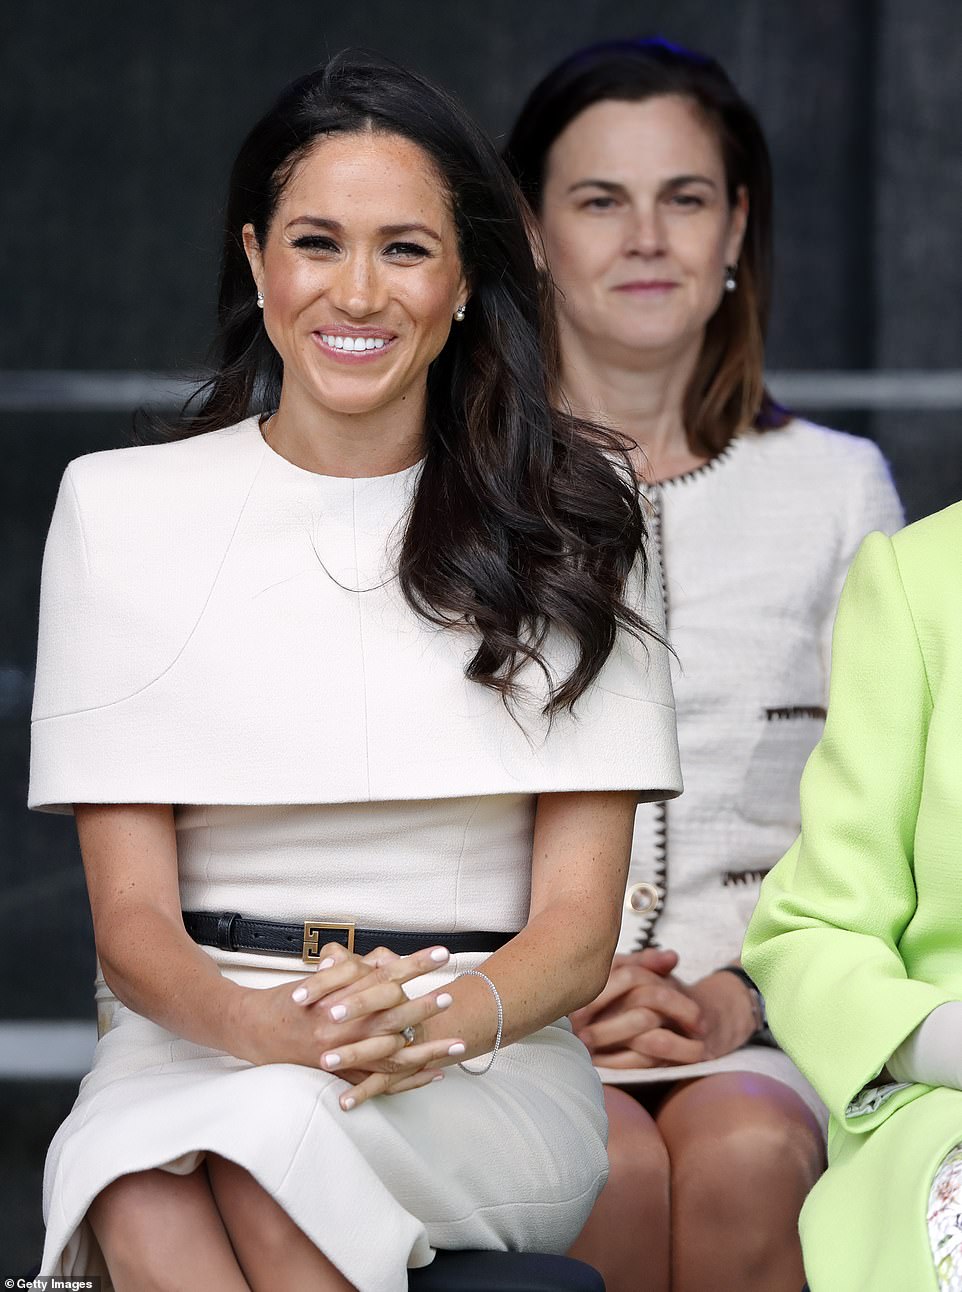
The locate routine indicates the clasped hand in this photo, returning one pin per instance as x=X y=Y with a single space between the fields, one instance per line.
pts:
x=647 y=1018
x=349 y=1017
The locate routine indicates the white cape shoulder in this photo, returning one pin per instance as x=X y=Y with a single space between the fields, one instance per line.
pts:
x=133 y=548
x=195 y=648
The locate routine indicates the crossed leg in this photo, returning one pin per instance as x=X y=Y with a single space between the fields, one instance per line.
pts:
x=214 y=1228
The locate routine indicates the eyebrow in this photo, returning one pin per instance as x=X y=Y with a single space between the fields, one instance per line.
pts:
x=385 y=231
x=609 y=186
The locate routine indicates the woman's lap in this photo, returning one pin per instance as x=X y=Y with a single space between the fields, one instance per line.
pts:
x=515 y=1159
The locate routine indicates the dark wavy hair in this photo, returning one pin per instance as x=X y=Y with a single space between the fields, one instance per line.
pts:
x=727 y=389
x=525 y=520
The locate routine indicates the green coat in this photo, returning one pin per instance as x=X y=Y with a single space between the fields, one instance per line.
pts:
x=858 y=932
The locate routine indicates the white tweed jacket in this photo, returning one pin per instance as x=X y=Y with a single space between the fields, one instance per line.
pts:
x=755 y=547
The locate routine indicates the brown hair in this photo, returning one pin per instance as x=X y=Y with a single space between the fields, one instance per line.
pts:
x=525 y=521
x=727 y=389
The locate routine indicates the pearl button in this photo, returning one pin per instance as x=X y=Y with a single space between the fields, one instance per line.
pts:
x=642 y=899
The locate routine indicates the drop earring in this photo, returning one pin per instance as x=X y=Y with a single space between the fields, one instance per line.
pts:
x=730 y=281
x=260 y=300
x=459 y=313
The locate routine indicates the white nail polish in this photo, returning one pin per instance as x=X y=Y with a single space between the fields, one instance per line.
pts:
x=332 y=1060
x=438 y=1077
x=326 y=964
x=348 y=1103
x=457 y=1048
x=444 y=1000
x=439 y=955
x=338 y=1012
x=299 y=994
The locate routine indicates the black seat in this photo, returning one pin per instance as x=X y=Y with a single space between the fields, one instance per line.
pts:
x=504 y=1272
x=494 y=1272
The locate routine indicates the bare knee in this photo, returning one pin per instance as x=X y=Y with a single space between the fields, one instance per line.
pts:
x=767 y=1140
x=633 y=1208
x=747 y=1146
x=637 y=1156
x=132 y=1221
x=246 y=1205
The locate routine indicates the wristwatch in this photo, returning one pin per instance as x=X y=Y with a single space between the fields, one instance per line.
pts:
x=762 y=1034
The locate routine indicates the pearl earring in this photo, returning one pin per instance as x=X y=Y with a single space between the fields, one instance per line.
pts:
x=260 y=300
x=730 y=280
x=459 y=313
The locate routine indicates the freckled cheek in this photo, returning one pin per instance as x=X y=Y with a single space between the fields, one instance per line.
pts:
x=428 y=304
x=290 y=292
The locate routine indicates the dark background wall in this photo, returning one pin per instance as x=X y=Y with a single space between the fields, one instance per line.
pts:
x=117 y=126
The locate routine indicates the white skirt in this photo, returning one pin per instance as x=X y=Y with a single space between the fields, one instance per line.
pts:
x=762 y=1060
x=511 y=1160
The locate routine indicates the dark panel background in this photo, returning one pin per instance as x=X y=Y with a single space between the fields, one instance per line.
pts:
x=122 y=121
x=917 y=234
x=117 y=126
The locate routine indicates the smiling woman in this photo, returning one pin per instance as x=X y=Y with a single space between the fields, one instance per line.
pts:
x=358 y=308
x=352 y=687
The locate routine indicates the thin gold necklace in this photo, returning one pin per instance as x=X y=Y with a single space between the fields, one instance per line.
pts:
x=343 y=586
x=337 y=583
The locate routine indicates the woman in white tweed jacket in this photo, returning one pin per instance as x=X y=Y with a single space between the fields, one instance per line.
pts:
x=652 y=181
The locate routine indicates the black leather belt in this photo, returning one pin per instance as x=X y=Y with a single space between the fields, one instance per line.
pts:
x=231 y=931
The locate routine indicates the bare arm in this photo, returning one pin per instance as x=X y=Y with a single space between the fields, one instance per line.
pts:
x=148 y=960
x=560 y=960
x=154 y=967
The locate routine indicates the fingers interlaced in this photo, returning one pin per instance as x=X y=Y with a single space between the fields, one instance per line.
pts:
x=640 y=1010
x=390 y=1053
x=406 y=1068
x=380 y=968
x=383 y=1084
x=657 y=1048
x=337 y=969
x=369 y=991
x=668 y=1048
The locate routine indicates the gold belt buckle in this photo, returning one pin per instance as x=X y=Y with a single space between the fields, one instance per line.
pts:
x=311 y=951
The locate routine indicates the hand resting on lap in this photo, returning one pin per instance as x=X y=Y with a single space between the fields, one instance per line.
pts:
x=646 y=1017
x=365 y=1045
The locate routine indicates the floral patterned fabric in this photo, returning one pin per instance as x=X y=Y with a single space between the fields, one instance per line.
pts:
x=873 y=1097
x=945 y=1222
